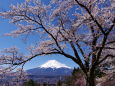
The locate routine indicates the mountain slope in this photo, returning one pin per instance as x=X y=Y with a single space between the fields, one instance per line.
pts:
x=51 y=72
x=51 y=68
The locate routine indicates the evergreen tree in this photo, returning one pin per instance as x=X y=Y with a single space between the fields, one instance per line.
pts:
x=76 y=78
x=59 y=83
x=30 y=83
x=44 y=84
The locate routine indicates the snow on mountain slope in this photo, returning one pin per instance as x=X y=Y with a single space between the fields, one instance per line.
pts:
x=53 y=64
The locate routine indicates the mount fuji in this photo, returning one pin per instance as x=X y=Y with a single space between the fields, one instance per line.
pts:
x=53 y=64
x=50 y=71
x=52 y=68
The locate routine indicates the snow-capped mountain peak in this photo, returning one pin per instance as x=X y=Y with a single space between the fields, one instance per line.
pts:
x=53 y=64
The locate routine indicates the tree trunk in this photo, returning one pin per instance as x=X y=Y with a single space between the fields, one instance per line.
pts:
x=90 y=80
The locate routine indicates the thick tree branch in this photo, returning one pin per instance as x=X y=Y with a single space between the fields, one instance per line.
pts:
x=75 y=52
x=34 y=57
x=106 y=48
x=81 y=50
x=75 y=60
x=78 y=58
x=110 y=42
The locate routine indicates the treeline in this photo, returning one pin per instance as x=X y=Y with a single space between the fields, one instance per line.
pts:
x=76 y=79
x=34 y=83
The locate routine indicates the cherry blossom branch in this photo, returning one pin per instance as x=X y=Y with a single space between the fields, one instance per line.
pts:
x=49 y=34
x=110 y=42
x=100 y=50
x=109 y=55
x=75 y=60
x=81 y=50
x=106 y=48
x=100 y=27
x=34 y=57
x=112 y=26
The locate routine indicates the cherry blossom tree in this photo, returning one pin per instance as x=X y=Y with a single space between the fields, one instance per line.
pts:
x=19 y=77
x=16 y=78
x=83 y=27
x=8 y=76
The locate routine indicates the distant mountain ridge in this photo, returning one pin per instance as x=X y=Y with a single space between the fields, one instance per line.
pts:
x=51 y=71
x=52 y=68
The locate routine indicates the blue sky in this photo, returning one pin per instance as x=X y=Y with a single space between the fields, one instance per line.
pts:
x=6 y=42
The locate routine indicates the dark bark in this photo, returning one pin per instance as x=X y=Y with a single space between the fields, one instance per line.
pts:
x=90 y=80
